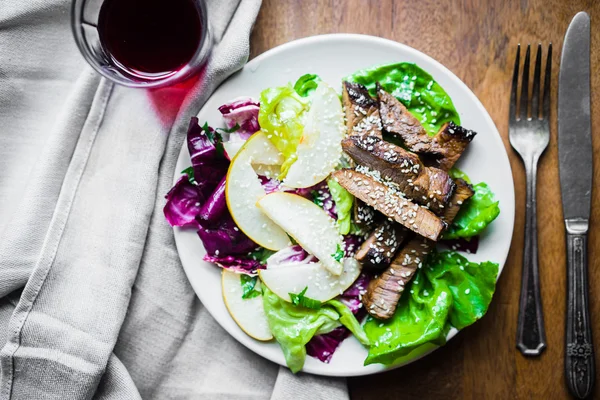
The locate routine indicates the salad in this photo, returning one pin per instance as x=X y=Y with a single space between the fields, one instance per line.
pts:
x=333 y=216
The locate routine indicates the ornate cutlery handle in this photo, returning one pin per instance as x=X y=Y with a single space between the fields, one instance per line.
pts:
x=579 y=358
x=531 y=335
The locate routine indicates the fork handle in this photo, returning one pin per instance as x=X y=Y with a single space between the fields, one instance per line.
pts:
x=531 y=335
x=579 y=357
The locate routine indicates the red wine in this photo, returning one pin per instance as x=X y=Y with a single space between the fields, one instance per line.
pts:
x=150 y=39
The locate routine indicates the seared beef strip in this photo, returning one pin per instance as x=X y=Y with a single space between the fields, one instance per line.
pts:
x=365 y=216
x=462 y=193
x=425 y=185
x=443 y=149
x=380 y=247
x=362 y=111
x=385 y=291
x=449 y=144
x=389 y=201
x=398 y=121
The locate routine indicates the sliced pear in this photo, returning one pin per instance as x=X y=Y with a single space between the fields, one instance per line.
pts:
x=249 y=314
x=233 y=146
x=321 y=284
x=307 y=223
x=270 y=171
x=320 y=147
x=243 y=189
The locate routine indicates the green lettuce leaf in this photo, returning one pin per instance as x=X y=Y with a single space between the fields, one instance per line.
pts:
x=343 y=206
x=448 y=292
x=280 y=114
x=294 y=326
x=306 y=84
x=349 y=321
x=475 y=215
x=415 y=88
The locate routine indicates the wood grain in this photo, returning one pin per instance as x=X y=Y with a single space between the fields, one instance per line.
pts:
x=477 y=41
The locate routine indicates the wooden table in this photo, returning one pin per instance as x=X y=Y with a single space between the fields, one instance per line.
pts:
x=476 y=40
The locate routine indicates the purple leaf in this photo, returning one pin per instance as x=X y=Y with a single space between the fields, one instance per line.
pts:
x=209 y=166
x=292 y=254
x=224 y=238
x=270 y=184
x=469 y=245
x=243 y=112
x=323 y=346
x=215 y=205
x=183 y=203
x=237 y=263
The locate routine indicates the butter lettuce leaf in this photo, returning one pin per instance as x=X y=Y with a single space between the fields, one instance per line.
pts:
x=414 y=88
x=306 y=84
x=280 y=117
x=293 y=326
x=475 y=215
x=343 y=206
x=449 y=291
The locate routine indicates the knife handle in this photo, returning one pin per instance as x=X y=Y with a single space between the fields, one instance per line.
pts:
x=579 y=357
x=531 y=334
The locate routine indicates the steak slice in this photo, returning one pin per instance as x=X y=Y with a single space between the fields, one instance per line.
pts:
x=362 y=111
x=381 y=245
x=449 y=144
x=385 y=291
x=398 y=121
x=443 y=149
x=462 y=193
x=365 y=216
x=390 y=202
x=425 y=185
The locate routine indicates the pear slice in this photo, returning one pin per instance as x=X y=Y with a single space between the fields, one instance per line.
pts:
x=270 y=171
x=320 y=147
x=307 y=223
x=249 y=314
x=321 y=284
x=243 y=189
x=233 y=146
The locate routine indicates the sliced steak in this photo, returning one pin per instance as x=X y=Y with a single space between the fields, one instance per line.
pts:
x=362 y=111
x=425 y=185
x=385 y=291
x=398 y=121
x=443 y=149
x=390 y=202
x=365 y=216
x=381 y=245
x=462 y=193
x=449 y=144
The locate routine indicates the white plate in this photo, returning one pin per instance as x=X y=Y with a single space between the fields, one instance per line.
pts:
x=333 y=57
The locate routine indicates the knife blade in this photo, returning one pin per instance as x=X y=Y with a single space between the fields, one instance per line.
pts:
x=574 y=124
x=575 y=170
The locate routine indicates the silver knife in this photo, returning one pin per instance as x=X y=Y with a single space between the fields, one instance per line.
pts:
x=575 y=168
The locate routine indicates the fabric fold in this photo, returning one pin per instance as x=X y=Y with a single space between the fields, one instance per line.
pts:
x=106 y=311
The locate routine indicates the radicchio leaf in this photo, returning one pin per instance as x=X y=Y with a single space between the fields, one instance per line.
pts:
x=183 y=203
x=242 y=111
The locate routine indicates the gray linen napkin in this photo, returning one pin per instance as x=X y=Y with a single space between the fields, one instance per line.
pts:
x=93 y=300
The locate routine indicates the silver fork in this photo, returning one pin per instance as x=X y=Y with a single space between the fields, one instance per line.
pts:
x=529 y=135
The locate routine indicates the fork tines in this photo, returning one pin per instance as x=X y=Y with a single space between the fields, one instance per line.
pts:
x=525 y=103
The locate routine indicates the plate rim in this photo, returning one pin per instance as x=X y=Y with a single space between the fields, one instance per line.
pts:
x=495 y=134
